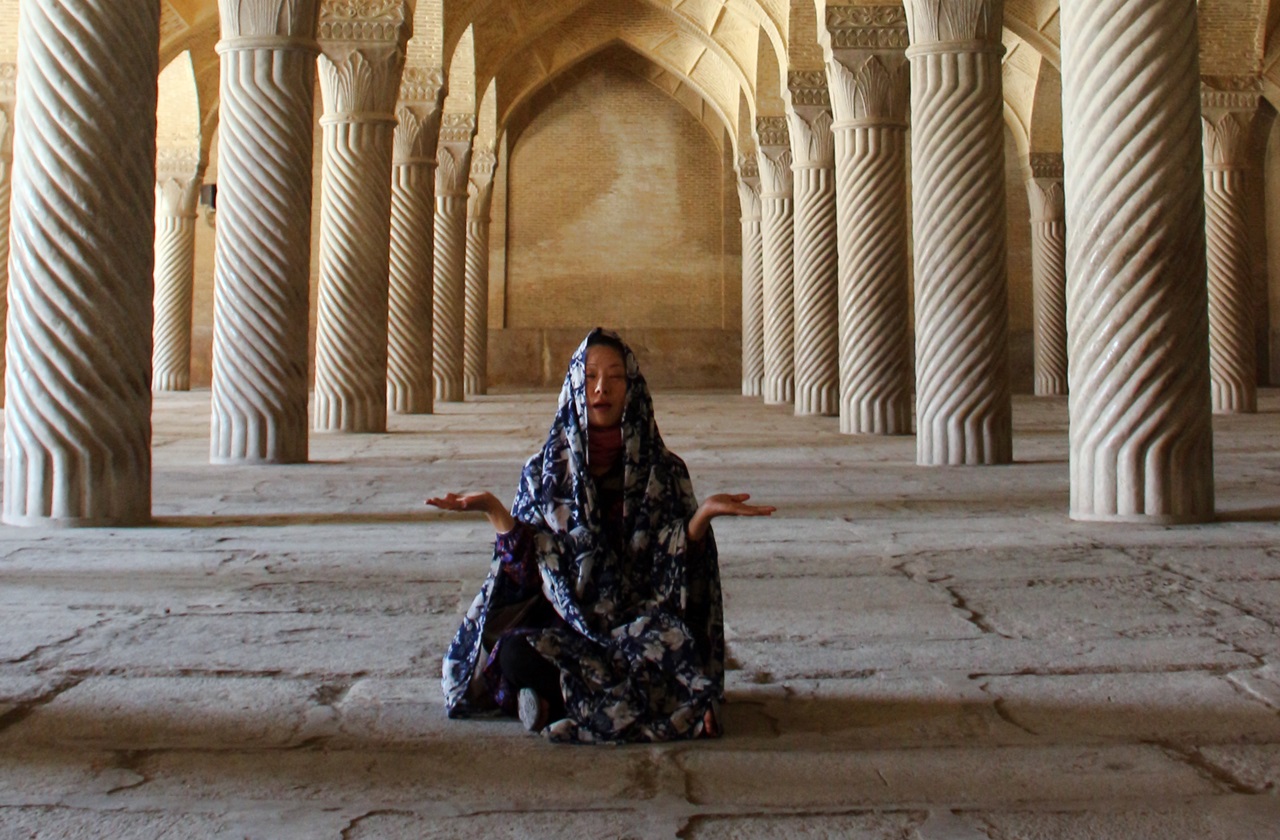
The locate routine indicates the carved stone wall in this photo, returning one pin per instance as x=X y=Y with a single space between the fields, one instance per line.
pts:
x=265 y=137
x=179 y=174
x=1049 y=273
x=817 y=357
x=1141 y=435
x=963 y=401
x=868 y=78
x=361 y=63
x=777 y=227
x=453 y=172
x=78 y=414
x=413 y=199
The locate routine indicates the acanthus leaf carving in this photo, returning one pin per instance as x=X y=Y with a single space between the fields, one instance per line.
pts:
x=1047 y=200
x=776 y=178
x=1226 y=140
x=870 y=87
x=417 y=133
x=360 y=82
x=749 y=198
x=812 y=142
x=269 y=18
x=453 y=169
x=484 y=163
x=955 y=21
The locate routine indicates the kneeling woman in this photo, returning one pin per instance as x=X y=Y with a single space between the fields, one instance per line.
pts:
x=600 y=619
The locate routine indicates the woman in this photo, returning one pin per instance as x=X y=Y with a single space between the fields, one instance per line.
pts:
x=600 y=619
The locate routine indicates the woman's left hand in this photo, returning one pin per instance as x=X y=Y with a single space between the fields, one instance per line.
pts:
x=723 y=504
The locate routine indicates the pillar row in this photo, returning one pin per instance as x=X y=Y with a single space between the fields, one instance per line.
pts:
x=452 y=191
x=8 y=81
x=963 y=400
x=179 y=174
x=78 y=415
x=869 y=99
x=1227 y=121
x=777 y=230
x=752 y=278
x=475 y=357
x=1141 y=436
x=262 y=285
x=1048 y=272
x=413 y=208
x=360 y=68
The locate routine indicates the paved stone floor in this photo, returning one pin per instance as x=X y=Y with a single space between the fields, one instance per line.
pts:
x=917 y=653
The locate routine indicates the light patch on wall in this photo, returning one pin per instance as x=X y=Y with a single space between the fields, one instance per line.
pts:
x=615 y=212
x=178 y=124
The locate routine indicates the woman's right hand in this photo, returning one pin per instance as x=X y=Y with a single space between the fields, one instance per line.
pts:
x=485 y=503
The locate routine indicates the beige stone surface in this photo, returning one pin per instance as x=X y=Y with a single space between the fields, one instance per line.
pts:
x=922 y=654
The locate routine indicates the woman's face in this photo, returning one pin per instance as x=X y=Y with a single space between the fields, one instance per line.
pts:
x=606 y=386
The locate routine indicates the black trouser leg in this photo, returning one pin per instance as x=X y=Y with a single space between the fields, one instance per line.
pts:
x=524 y=667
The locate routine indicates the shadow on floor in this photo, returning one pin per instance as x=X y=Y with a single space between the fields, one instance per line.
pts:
x=275 y=520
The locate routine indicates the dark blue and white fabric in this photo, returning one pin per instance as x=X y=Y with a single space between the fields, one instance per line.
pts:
x=641 y=646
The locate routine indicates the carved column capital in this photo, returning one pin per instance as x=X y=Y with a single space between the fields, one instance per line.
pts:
x=362 y=50
x=774 y=156
x=422 y=92
x=955 y=26
x=484 y=162
x=809 y=120
x=1228 y=109
x=869 y=88
x=179 y=172
x=1047 y=200
x=274 y=24
x=453 y=168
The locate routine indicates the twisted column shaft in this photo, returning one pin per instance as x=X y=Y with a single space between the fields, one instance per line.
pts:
x=777 y=230
x=413 y=199
x=1049 y=277
x=8 y=79
x=78 y=414
x=963 y=400
x=1141 y=437
x=817 y=354
x=1233 y=363
x=355 y=229
x=869 y=98
x=752 y=280
x=449 y=294
x=262 y=284
x=475 y=356
x=177 y=194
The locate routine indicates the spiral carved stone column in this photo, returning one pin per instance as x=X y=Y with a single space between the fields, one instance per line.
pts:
x=869 y=96
x=963 y=402
x=78 y=416
x=1049 y=273
x=179 y=173
x=1227 y=119
x=752 y=279
x=452 y=180
x=262 y=283
x=1141 y=437
x=413 y=207
x=817 y=325
x=8 y=80
x=777 y=230
x=475 y=357
x=360 y=69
